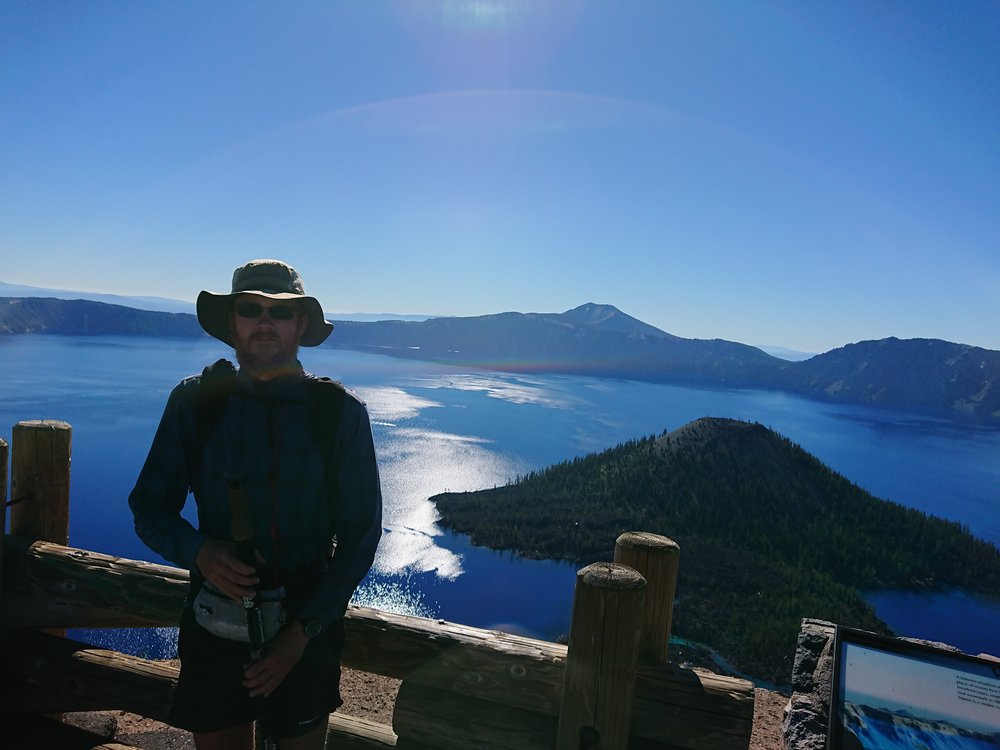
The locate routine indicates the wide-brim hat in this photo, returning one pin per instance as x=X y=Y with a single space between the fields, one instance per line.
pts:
x=267 y=278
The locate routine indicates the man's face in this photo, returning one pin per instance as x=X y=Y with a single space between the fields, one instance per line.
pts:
x=266 y=332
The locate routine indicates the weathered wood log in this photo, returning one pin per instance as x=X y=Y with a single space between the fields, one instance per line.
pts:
x=596 y=708
x=45 y=733
x=673 y=708
x=656 y=558
x=355 y=733
x=56 y=674
x=52 y=585
x=59 y=675
x=508 y=669
x=4 y=453
x=688 y=708
x=49 y=585
x=40 y=480
x=447 y=720
x=489 y=664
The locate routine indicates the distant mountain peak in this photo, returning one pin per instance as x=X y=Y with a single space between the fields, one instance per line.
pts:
x=593 y=311
x=610 y=318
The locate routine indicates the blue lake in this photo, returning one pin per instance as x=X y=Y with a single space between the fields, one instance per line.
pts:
x=441 y=428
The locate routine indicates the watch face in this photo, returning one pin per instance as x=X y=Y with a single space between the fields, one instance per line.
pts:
x=313 y=628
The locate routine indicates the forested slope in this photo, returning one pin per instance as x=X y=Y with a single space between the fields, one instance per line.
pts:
x=768 y=534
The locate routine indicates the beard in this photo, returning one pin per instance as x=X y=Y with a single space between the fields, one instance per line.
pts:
x=265 y=352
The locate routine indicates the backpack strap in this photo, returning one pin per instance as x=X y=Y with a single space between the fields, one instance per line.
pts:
x=326 y=409
x=218 y=381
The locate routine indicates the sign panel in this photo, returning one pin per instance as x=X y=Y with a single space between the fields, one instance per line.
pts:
x=891 y=694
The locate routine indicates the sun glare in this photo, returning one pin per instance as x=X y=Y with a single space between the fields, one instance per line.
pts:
x=476 y=13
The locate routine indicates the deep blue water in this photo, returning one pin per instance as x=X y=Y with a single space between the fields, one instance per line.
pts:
x=439 y=428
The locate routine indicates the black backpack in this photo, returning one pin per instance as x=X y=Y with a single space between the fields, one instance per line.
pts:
x=218 y=382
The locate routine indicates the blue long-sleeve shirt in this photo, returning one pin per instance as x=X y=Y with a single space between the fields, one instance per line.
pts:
x=265 y=442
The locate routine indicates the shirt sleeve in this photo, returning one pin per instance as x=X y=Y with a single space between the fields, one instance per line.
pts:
x=162 y=488
x=358 y=517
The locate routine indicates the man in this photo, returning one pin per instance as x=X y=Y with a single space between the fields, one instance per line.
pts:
x=272 y=499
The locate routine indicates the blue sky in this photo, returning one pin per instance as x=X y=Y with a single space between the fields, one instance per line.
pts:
x=802 y=174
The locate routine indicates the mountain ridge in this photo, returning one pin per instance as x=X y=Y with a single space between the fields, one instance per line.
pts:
x=931 y=376
x=151 y=304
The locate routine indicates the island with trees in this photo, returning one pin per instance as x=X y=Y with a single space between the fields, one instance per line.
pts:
x=768 y=534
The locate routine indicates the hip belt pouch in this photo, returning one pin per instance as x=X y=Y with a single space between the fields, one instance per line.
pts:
x=227 y=618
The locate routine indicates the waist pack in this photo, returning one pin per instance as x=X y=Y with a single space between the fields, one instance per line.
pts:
x=227 y=618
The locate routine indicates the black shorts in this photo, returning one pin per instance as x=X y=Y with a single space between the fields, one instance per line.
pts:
x=210 y=695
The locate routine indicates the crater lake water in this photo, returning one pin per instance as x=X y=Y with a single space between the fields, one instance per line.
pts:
x=441 y=428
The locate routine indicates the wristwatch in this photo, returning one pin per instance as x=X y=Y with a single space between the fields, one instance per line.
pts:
x=312 y=628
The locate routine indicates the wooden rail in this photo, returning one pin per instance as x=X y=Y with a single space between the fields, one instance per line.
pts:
x=462 y=686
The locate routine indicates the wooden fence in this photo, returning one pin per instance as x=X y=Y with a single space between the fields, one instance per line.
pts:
x=462 y=687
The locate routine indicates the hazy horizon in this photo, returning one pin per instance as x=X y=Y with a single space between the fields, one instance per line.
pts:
x=167 y=304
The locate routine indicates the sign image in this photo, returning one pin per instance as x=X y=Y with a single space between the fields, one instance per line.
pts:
x=890 y=693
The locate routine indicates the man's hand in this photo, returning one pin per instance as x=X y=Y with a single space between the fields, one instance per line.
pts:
x=263 y=677
x=219 y=565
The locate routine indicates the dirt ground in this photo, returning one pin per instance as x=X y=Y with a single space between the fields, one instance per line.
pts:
x=370 y=697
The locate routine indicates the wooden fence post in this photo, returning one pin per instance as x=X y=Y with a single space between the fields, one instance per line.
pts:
x=601 y=661
x=656 y=558
x=4 y=452
x=39 y=482
x=40 y=458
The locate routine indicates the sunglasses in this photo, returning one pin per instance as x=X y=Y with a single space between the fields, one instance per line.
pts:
x=254 y=310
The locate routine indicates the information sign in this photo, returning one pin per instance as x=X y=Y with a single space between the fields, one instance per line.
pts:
x=890 y=693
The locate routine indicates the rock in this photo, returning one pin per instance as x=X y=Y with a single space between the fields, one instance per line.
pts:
x=808 y=714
